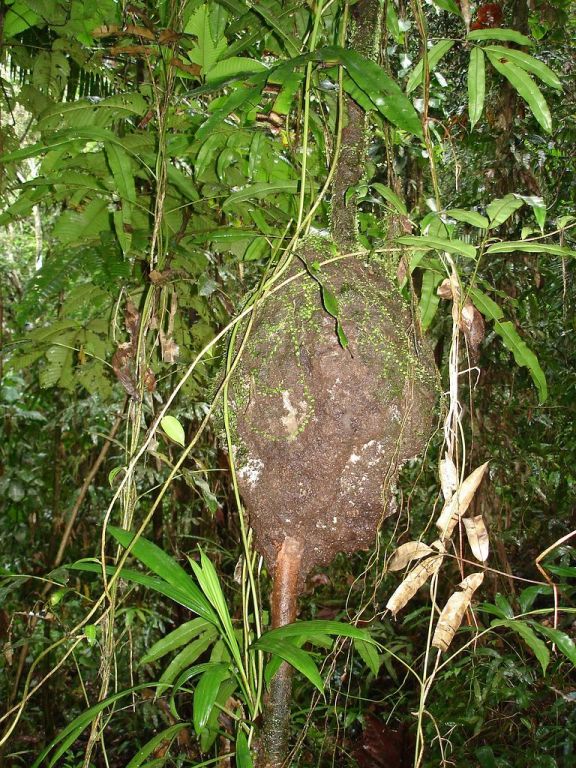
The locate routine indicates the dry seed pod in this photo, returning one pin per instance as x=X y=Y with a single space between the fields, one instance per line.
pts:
x=412 y=550
x=477 y=537
x=448 y=477
x=418 y=576
x=454 y=610
x=459 y=503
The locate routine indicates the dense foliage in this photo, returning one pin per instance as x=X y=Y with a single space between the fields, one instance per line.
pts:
x=160 y=162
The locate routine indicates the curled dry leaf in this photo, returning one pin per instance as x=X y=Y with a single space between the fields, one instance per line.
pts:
x=448 y=477
x=412 y=550
x=460 y=501
x=412 y=583
x=454 y=610
x=477 y=537
x=445 y=289
x=473 y=327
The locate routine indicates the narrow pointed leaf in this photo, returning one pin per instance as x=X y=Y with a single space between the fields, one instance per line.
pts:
x=298 y=658
x=520 y=245
x=439 y=244
x=508 y=35
x=167 y=735
x=537 y=646
x=564 y=643
x=528 y=63
x=182 y=635
x=502 y=208
x=476 y=85
x=526 y=88
x=206 y=693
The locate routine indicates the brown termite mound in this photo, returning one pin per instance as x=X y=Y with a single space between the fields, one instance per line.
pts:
x=320 y=430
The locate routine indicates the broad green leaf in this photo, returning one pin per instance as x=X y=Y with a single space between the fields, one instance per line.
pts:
x=526 y=62
x=242 y=95
x=165 y=736
x=435 y=54
x=309 y=629
x=390 y=196
x=121 y=167
x=522 y=355
x=175 y=639
x=534 y=247
x=429 y=299
x=476 y=84
x=186 y=657
x=79 y=226
x=560 y=639
x=210 y=585
x=163 y=565
x=439 y=244
x=468 y=217
x=261 y=189
x=289 y=87
x=173 y=429
x=448 y=5
x=384 y=93
x=489 y=308
x=243 y=756
x=369 y=655
x=330 y=302
x=210 y=46
x=68 y=735
x=526 y=88
x=527 y=597
x=298 y=658
x=501 y=209
x=512 y=340
x=205 y=694
x=258 y=249
x=210 y=732
x=274 y=22
x=508 y=35
x=233 y=67
x=537 y=646
x=195 y=602
x=18 y=18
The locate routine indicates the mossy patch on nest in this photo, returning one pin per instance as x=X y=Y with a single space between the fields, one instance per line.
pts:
x=320 y=430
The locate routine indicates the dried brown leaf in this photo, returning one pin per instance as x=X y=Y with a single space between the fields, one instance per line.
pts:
x=411 y=550
x=448 y=477
x=453 y=612
x=477 y=537
x=412 y=583
x=460 y=501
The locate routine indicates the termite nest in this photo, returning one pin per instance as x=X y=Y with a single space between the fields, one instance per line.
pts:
x=320 y=430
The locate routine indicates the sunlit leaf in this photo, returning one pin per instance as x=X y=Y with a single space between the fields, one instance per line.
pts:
x=501 y=209
x=175 y=639
x=173 y=429
x=299 y=659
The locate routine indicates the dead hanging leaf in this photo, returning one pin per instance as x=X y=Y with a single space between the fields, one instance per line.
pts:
x=473 y=327
x=418 y=576
x=460 y=501
x=448 y=477
x=477 y=537
x=445 y=289
x=412 y=550
x=454 y=610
